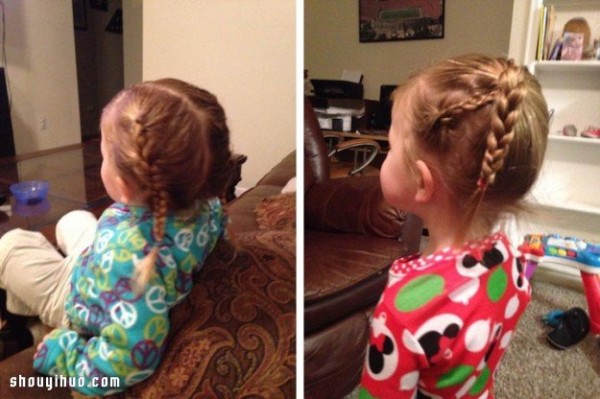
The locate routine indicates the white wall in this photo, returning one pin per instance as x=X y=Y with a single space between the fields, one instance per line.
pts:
x=132 y=41
x=332 y=45
x=242 y=51
x=40 y=55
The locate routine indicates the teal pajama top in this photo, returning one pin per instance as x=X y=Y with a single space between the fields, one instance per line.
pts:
x=114 y=331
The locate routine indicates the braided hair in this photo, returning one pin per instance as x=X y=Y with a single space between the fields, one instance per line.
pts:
x=482 y=125
x=167 y=138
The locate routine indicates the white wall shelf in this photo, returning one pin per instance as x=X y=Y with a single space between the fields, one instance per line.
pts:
x=566 y=197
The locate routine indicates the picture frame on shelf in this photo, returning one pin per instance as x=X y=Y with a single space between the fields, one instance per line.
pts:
x=398 y=20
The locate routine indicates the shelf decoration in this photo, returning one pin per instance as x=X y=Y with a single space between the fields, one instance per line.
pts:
x=572 y=44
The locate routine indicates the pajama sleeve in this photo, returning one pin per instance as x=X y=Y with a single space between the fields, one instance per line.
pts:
x=394 y=358
x=132 y=333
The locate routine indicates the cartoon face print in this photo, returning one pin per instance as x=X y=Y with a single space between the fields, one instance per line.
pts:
x=476 y=264
x=518 y=274
x=382 y=354
x=437 y=335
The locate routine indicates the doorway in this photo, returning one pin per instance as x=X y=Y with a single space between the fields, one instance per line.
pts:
x=98 y=26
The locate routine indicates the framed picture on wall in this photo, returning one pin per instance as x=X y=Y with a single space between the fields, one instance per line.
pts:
x=392 y=20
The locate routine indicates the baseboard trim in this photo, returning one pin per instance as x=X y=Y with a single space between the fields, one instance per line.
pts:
x=567 y=277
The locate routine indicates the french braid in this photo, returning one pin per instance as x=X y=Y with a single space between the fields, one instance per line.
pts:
x=167 y=137
x=481 y=124
x=158 y=202
x=506 y=113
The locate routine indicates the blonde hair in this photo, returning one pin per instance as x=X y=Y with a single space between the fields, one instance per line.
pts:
x=481 y=123
x=170 y=140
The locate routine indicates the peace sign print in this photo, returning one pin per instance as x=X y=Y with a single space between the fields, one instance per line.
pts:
x=92 y=292
x=82 y=286
x=104 y=351
x=202 y=238
x=213 y=226
x=101 y=279
x=82 y=313
x=116 y=335
x=106 y=261
x=144 y=354
x=167 y=258
x=119 y=361
x=40 y=357
x=97 y=317
x=83 y=367
x=183 y=239
x=103 y=239
x=156 y=329
x=67 y=339
x=108 y=298
x=124 y=290
x=124 y=314
x=132 y=238
x=155 y=299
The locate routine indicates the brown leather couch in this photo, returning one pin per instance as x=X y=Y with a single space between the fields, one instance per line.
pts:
x=234 y=335
x=351 y=236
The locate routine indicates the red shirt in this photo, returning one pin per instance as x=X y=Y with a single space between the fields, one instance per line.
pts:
x=444 y=321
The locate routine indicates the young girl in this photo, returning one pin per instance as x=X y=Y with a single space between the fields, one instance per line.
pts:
x=467 y=141
x=166 y=159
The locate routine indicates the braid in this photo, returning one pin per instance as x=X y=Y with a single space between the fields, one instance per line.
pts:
x=450 y=117
x=481 y=125
x=158 y=201
x=167 y=137
x=506 y=113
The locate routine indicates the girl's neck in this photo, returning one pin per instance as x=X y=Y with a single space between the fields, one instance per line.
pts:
x=443 y=228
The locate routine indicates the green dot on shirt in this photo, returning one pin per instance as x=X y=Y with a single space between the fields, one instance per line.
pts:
x=419 y=292
x=497 y=284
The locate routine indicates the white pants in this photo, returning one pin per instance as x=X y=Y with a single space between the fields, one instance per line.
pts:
x=35 y=275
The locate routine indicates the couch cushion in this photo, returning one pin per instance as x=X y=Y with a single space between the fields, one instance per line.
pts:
x=281 y=173
x=344 y=342
x=241 y=211
x=277 y=212
x=344 y=273
x=352 y=205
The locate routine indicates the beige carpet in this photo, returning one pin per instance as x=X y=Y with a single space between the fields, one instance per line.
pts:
x=532 y=369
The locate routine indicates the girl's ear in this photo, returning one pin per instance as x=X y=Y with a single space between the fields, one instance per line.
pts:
x=425 y=183
x=126 y=192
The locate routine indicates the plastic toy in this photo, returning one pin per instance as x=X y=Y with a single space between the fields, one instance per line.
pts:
x=572 y=252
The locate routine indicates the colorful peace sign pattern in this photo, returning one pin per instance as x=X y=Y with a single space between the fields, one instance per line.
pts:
x=129 y=329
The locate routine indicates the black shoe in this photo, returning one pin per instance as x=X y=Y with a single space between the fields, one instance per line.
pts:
x=572 y=328
x=14 y=340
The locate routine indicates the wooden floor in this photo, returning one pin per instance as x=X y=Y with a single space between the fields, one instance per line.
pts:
x=74 y=176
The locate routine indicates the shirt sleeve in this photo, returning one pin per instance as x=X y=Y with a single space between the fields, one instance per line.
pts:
x=129 y=344
x=394 y=358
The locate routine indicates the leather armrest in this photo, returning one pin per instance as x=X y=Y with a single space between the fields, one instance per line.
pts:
x=356 y=205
